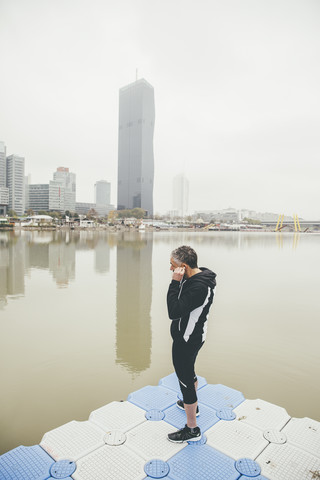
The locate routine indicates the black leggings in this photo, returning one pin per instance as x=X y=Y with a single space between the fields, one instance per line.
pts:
x=183 y=357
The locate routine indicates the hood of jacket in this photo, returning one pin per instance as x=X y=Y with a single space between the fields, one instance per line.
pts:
x=206 y=276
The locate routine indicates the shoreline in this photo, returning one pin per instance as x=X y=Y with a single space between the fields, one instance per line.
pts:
x=115 y=229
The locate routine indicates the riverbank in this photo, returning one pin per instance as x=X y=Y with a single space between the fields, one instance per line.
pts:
x=124 y=228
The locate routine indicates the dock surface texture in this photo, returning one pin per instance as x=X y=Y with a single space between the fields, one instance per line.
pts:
x=241 y=439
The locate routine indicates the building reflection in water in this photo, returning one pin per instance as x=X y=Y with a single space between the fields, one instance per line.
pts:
x=62 y=262
x=134 y=292
x=22 y=252
x=102 y=256
x=12 y=267
x=55 y=252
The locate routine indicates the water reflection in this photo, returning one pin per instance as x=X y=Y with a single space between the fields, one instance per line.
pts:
x=62 y=262
x=12 y=268
x=102 y=257
x=134 y=295
x=235 y=240
x=21 y=252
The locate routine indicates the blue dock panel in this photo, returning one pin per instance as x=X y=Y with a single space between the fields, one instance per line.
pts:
x=157 y=468
x=153 y=398
x=259 y=477
x=62 y=469
x=203 y=462
x=33 y=463
x=171 y=381
x=177 y=417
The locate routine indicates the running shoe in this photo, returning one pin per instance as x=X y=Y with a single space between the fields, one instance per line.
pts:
x=180 y=405
x=185 y=435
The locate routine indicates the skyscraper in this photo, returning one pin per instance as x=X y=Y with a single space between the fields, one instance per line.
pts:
x=3 y=165
x=38 y=198
x=15 y=183
x=4 y=191
x=135 y=147
x=102 y=190
x=62 y=190
x=180 y=195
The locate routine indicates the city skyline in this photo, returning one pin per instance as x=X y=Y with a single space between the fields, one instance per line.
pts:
x=18 y=194
x=238 y=104
x=46 y=197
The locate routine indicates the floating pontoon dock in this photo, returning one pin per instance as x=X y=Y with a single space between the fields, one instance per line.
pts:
x=241 y=439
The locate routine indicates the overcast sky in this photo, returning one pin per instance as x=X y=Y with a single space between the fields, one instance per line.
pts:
x=237 y=95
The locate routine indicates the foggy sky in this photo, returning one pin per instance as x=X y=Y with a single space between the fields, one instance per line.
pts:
x=236 y=95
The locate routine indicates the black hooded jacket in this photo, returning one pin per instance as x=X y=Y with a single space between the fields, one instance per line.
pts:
x=188 y=304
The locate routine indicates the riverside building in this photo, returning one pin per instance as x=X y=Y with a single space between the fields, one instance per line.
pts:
x=135 y=146
x=4 y=191
x=15 y=183
x=102 y=190
x=82 y=208
x=62 y=191
x=67 y=180
x=38 y=197
x=102 y=193
x=180 y=195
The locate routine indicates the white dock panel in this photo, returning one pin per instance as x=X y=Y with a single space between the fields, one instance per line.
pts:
x=73 y=440
x=262 y=415
x=304 y=433
x=150 y=440
x=286 y=462
x=118 y=416
x=236 y=439
x=110 y=463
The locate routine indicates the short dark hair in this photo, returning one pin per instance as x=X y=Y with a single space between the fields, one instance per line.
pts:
x=185 y=254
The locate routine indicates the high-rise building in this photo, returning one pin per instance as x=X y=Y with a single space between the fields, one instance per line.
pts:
x=82 y=208
x=15 y=183
x=135 y=147
x=27 y=181
x=62 y=191
x=4 y=191
x=3 y=165
x=102 y=191
x=180 y=195
x=56 y=197
x=38 y=197
x=67 y=180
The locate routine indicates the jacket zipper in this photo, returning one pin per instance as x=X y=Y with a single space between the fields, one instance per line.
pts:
x=178 y=299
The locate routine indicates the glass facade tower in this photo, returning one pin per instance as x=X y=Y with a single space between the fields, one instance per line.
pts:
x=180 y=195
x=135 y=147
x=15 y=183
x=102 y=190
x=4 y=191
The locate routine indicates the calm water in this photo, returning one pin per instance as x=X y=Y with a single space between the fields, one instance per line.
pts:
x=83 y=321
